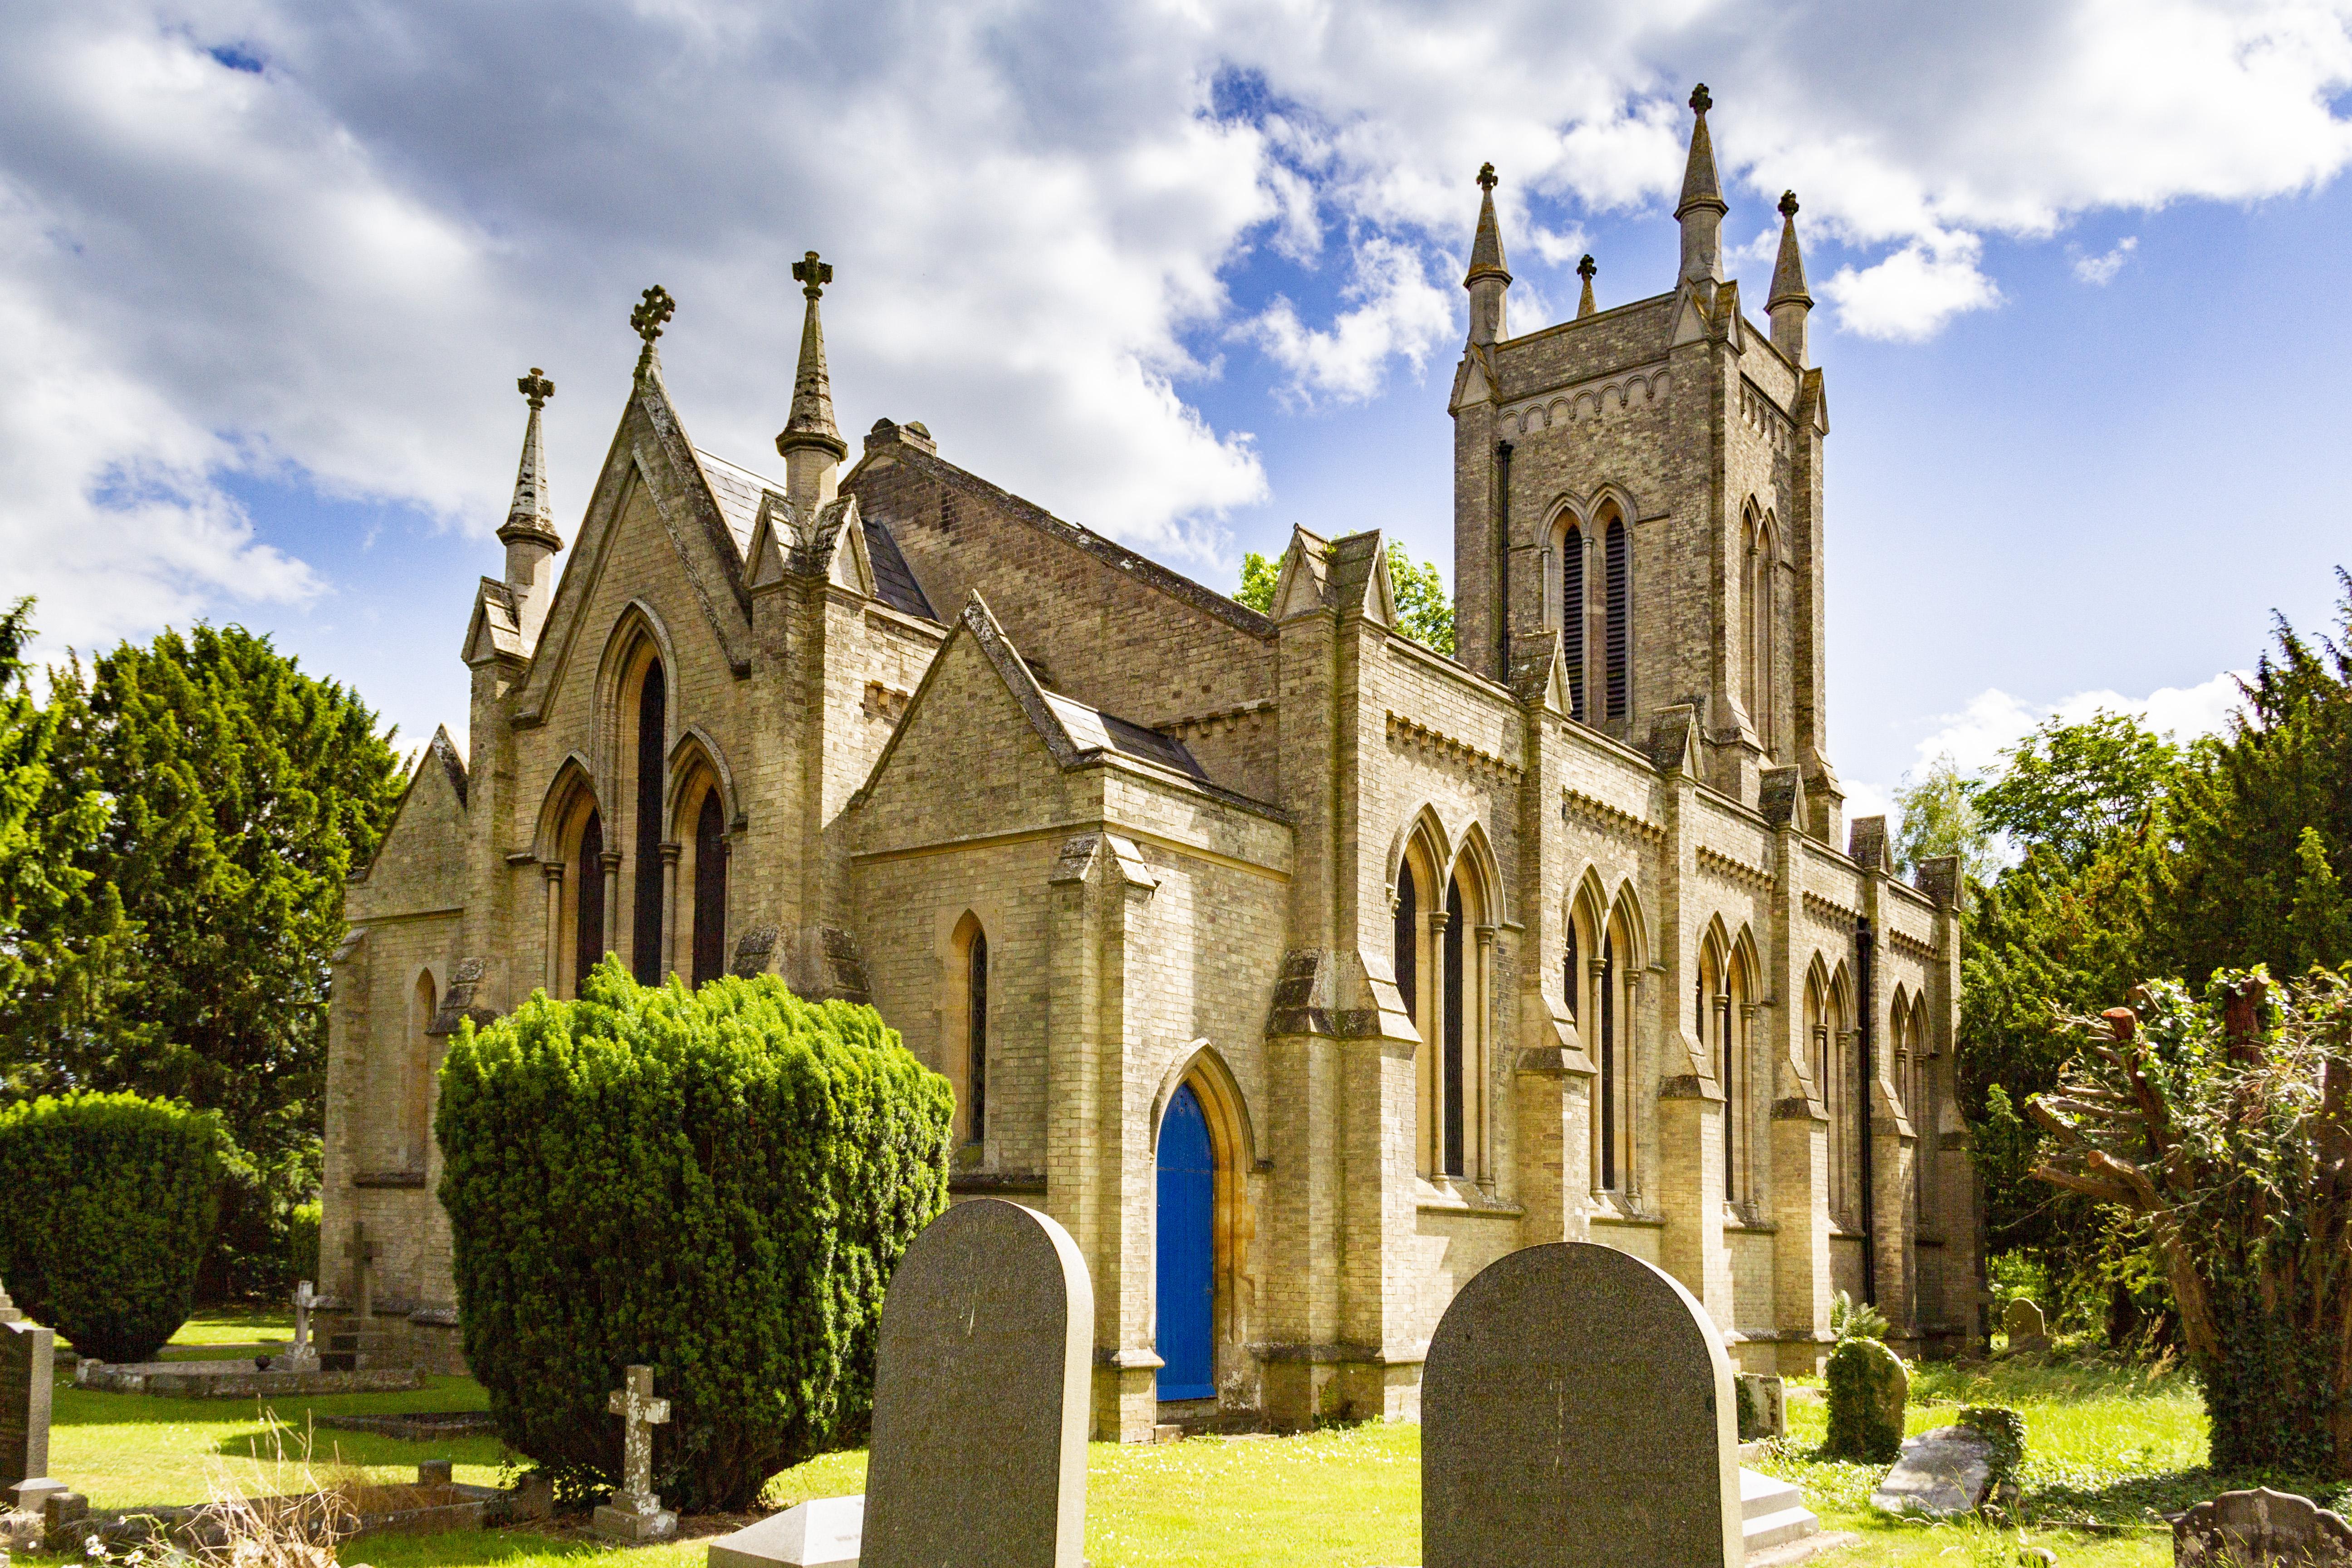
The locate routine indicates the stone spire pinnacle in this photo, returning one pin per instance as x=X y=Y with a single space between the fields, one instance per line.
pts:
x=1488 y=280
x=1789 y=302
x=533 y=512
x=1486 y=248
x=1701 y=210
x=1585 y=269
x=811 y=424
x=528 y=532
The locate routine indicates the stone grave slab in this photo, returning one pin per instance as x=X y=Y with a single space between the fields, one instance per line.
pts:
x=1763 y=1406
x=1540 y=1451
x=1943 y=1474
x=980 y=1395
x=2260 y=1529
x=820 y=1533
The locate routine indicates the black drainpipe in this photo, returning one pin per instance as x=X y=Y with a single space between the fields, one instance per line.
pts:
x=1863 y=944
x=1503 y=561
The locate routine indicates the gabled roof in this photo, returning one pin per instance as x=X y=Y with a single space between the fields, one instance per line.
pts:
x=894 y=581
x=737 y=489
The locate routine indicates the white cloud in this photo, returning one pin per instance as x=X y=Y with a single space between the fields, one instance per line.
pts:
x=2102 y=269
x=1913 y=293
x=340 y=260
x=1994 y=720
x=1399 y=314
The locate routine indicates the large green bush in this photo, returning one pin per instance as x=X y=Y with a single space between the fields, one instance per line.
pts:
x=111 y=1205
x=715 y=1183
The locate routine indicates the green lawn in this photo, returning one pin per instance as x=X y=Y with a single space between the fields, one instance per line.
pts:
x=2105 y=1450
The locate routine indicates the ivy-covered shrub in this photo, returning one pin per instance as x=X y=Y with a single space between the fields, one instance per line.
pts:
x=716 y=1184
x=1868 y=1386
x=111 y=1205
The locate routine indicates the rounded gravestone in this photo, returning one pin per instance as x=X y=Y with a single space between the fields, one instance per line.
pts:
x=980 y=1391
x=1868 y=1387
x=1576 y=1408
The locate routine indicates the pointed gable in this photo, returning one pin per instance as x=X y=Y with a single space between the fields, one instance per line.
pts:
x=419 y=864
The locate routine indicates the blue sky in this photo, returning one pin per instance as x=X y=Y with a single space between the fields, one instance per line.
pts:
x=1185 y=274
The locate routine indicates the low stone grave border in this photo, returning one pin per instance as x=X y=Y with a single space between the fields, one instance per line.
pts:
x=237 y=1379
x=419 y=1426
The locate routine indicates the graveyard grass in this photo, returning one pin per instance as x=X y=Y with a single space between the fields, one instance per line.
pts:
x=2104 y=1447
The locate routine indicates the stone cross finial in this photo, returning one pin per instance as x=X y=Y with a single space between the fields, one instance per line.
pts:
x=653 y=313
x=1587 y=267
x=1700 y=98
x=635 y=1512
x=1788 y=204
x=1487 y=176
x=536 y=388
x=812 y=274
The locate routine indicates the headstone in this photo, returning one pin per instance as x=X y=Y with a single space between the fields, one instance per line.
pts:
x=635 y=1513
x=533 y=1498
x=302 y=1356
x=27 y=1379
x=820 y=1533
x=1576 y=1409
x=2026 y=1327
x=2260 y=1529
x=63 y=1517
x=1868 y=1387
x=1763 y=1406
x=1943 y=1474
x=982 y=1387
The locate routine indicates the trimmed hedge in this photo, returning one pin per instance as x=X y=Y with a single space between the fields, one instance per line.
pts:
x=715 y=1183
x=111 y=1201
x=1868 y=1386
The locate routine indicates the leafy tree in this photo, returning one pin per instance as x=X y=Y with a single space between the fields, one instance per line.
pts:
x=2226 y=1127
x=2265 y=827
x=1940 y=817
x=2074 y=789
x=1424 y=609
x=243 y=792
x=57 y=930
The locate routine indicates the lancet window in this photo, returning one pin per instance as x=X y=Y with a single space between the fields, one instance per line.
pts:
x=1572 y=616
x=646 y=956
x=1618 y=628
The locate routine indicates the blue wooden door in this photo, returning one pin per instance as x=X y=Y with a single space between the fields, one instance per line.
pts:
x=1188 y=1197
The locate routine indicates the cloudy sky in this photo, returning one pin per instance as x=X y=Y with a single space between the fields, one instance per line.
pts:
x=1187 y=272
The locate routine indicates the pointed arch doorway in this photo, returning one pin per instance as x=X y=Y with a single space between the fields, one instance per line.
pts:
x=1186 y=1240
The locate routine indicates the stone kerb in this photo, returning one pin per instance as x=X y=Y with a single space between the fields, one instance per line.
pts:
x=1576 y=1408
x=981 y=1386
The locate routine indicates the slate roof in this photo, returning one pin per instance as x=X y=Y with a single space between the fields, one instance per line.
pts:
x=737 y=489
x=1092 y=730
x=894 y=581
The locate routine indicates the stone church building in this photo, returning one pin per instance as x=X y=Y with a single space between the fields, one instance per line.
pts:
x=1299 y=970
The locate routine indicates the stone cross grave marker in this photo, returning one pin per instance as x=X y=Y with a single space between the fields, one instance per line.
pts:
x=635 y=1513
x=1576 y=1409
x=361 y=1252
x=27 y=1377
x=302 y=1356
x=981 y=1394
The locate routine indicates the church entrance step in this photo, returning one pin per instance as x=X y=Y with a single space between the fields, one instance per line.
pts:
x=1772 y=1512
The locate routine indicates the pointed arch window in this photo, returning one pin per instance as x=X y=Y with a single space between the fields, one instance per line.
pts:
x=1572 y=986
x=1757 y=600
x=588 y=901
x=1455 y=1080
x=1618 y=630
x=1407 y=938
x=1572 y=613
x=645 y=903
x=710 y=890
x=976 y=1035
x=1610 y=1088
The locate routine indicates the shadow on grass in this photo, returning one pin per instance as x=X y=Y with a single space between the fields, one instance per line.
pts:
x=466 y=1549
x=88 y=1407
x=2147 y=1499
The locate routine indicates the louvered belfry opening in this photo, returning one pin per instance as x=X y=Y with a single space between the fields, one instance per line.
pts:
x=1619 y=653
x=1572 y=618
x=645 y=924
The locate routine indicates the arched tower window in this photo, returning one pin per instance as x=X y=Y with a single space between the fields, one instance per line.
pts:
x=1572 y=613
x=1407 y=940
x=1453 y=1079
x=588 y=901
x=1619 y=630
x=645 y=904
x=710 y=890
x=1757 y=596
